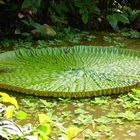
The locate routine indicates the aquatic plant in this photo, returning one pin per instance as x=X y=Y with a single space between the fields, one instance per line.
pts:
x=81 y=71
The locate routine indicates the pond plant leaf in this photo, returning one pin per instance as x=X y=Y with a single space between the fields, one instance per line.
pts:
x=84 y=71
x=5 y=98
x=21 y=115
x=9 y=112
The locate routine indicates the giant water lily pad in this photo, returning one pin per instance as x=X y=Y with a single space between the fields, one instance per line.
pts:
x=81 y=71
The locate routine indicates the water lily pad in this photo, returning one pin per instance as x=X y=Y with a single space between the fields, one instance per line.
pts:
x=83 y=71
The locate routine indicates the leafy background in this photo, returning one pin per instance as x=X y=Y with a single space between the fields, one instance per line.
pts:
x=26 y=18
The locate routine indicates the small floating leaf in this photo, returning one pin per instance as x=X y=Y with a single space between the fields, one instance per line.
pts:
x=21 y=115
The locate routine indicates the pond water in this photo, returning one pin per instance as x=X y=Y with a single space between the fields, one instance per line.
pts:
x=111 y=114
x=115 y=117
x=112 y=39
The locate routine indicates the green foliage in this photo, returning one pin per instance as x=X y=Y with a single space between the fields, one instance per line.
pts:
x=90 y=37
x=40 y=132
x=86 y=9
x=90 y=135
x=33 y=4
x=132 y=13
x=60 y=87
x=130 y=34
x=38 y=30
x=21 y=115
x=115 y=18
x=130 y=116
x=93 y=14
x=118 y=44
x=60 y=8
x=86 y=120
x=6 y=98
x=24 y=34
x=107 y=39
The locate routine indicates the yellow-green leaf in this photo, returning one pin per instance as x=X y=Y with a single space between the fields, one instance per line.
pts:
x=7 y=99
x=2 y=94
x=21 y=115
x=71 y=132
x=93 y=124
x=43 y=118
x=9 y=112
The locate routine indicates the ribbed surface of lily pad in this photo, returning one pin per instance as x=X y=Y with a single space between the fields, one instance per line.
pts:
x=80 y=71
